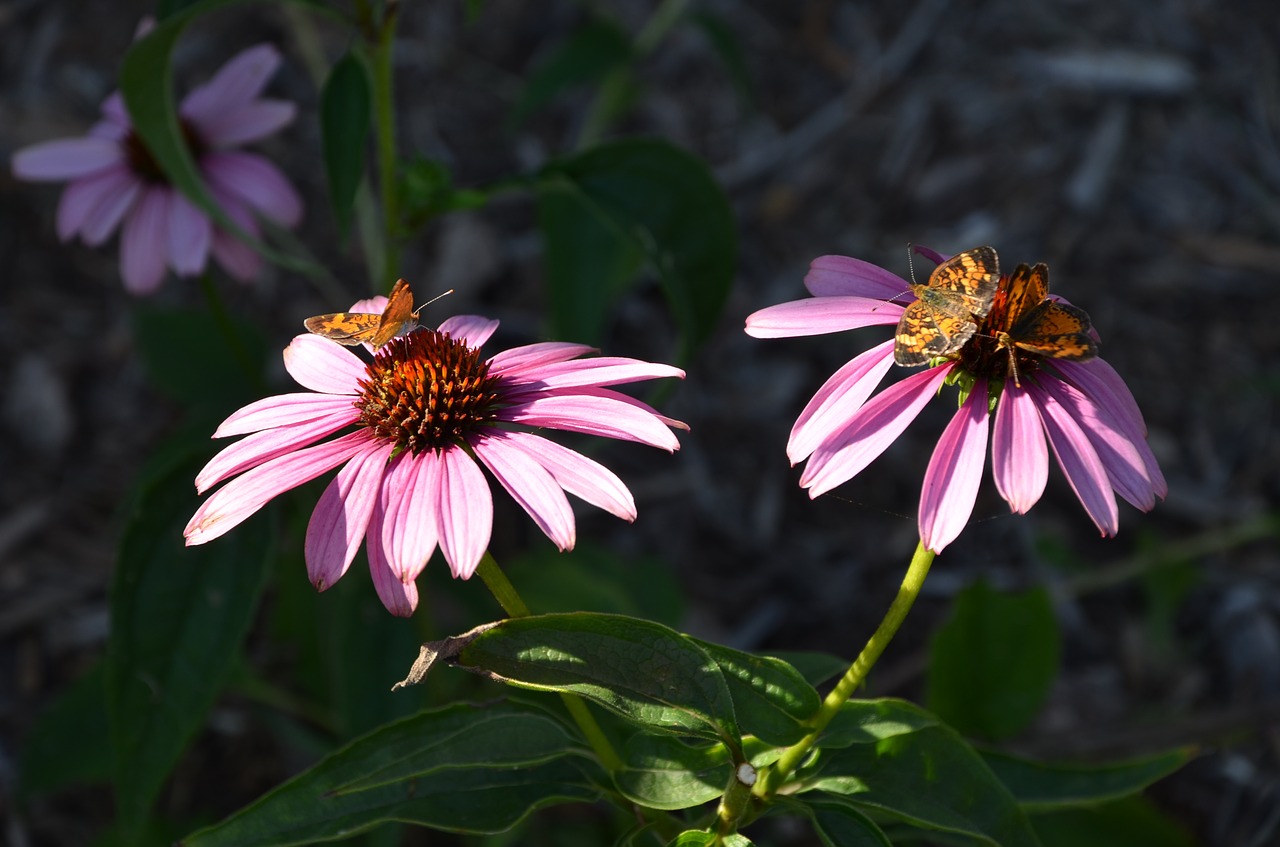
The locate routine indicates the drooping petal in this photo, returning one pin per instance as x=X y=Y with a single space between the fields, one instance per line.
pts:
x=248 y=493
x=341 y=516
x=955 y=472
x=1099 y=381
x=1019 y=455
x=517 y=360
x=821 y=315
x=466 y=512
x=399 y=597
x=321 y=365
x=870 y=431
x=1079 y=462
x=284 y=410
x=598 y=371
x=472 y=330
x=235 y=85
x=66 y=159
x=190 y=236
x=578 y=475
x=836 y=401
x=1125 y=469
x=255 y=182
x=529 y=484
x=604 y=416
x=251 y=122
x=929 y=253
x=410 y=532
x=260 y=447
x=833 y=276
x=94 y=206
x=144 y=242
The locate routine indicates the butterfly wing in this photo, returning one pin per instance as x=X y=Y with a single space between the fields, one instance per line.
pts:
x=349 y=328
x=968 y=280
x=398 y=317
x=1056 y=331
x=925 y=334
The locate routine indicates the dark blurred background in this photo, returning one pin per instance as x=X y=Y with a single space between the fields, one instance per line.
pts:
x=1133 y=146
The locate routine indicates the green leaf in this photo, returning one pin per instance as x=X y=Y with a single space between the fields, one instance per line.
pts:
x=146 y=82
x=178 y=615
x=345 y=115
x=606 y=211
x=816 y=668
x=993 y=663
x=839 y=823
x=647 y=673
x=702 y=838
x=1132 y=822
x=463 y=768
x=913 y=768
x=667 y=773
x=1040 y=785
x=771 y=699
x=585 y=57
x=69 y=743
x=873 y=721
x=200 y=359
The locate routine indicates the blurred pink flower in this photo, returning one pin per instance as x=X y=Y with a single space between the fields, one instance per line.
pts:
x=114 y=179
x=428 y=413
x=1083 y=409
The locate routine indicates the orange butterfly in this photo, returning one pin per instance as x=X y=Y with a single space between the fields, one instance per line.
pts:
x=1025 y=319
x=352 y=328
x=943 y=318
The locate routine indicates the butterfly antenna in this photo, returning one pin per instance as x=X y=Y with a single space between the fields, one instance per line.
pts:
x=910 y=269
x=434 y=299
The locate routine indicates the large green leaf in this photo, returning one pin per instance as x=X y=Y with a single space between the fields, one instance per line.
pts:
x=592 y=578
x=649 y=674
x=178 y=618
x=345 y=113
x=994 y=661
x=913 y=768
x=69 y=743
x=771 y=699
x=1132 y=822
x=702 y=838
x=667 y=773
x=463 y=768
x=607 y=210
x=1040 y=785
x=839 y=823
x=202 y=359
x=146 y=82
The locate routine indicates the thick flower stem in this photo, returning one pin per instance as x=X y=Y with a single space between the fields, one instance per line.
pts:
x=509 y=599
x=857 y=673
x=384 y=123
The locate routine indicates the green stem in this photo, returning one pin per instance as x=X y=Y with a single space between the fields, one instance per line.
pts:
x=848 y=684
x=509 y=599
x=384 y=123
x=609 y=100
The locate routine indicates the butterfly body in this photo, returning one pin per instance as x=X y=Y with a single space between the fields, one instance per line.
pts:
x=352 y=328
x=944 y=315
x=1038 y=325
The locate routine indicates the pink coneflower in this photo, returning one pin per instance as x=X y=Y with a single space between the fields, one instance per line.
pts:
x=1082 y=410
x=113 y=178
x=428 y=414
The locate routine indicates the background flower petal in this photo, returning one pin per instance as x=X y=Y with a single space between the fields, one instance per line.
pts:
x=235 y=84
x=1019 y=455
x=321 y=365
x=255 y=182
x=250 y=122
x=840 y=396
x=66 y=159
x=466 y=512
x=954 y=473
x=529 y=484
x=190 y=236
x=144 y=241
x=94 y=206
x=341 y=516
x=830 y=276
x=870 y=431
x=238 y=259
x=819 y=316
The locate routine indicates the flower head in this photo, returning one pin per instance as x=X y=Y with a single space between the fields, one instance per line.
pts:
x=1079 y=409
x=427 y=414
x=115 y=182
